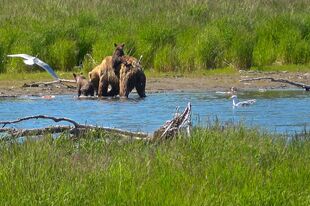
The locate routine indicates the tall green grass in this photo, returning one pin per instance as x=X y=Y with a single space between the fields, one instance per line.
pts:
x=183 y=35
x=216 y=166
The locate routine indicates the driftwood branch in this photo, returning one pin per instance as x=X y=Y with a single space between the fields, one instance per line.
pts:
x=36 y=132
x=174 y=126
x=78 y=128
x=42 y=117
x=59 y=81
x=297 y=84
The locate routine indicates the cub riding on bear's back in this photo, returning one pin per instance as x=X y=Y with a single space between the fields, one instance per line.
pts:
x=107 y=73
x=118 y=71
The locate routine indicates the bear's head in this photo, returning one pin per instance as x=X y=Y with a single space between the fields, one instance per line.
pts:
x=119 y=49
x=78 y=77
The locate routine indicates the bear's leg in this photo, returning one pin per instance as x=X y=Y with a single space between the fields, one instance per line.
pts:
x=90 y=90
x=113 y=92
x=121 y=86
x=140 y=85
x=126 y=87
x=79 y=90
x=103 y=87
x=114 y=83
x=95 y=83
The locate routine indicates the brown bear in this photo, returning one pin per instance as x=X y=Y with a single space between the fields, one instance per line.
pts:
x=131 y=76
x=108 y=63
x=84 y=87
x=108 y=77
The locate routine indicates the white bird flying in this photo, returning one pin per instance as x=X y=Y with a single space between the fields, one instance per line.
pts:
x=30 y=60
x=243 y=103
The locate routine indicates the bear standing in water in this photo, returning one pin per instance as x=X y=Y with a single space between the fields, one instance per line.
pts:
x=131 y=76
x=108 y=71
x=84 y=87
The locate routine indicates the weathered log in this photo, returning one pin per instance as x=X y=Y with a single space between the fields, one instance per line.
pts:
x=297 y=84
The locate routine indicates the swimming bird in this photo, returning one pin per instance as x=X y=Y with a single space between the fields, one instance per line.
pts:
x=243 y=103
x=30 y=60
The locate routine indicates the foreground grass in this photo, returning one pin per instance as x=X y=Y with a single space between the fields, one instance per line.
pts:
x=235 y=166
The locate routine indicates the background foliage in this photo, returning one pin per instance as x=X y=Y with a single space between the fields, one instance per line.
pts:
x=181 y=35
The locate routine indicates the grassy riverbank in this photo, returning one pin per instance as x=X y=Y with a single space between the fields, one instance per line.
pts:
x=178 y=36
x=234 y=166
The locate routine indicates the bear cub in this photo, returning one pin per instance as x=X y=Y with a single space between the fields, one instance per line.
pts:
x=84 y=87
x=117 y=57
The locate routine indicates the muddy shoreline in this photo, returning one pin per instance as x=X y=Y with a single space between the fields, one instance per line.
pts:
x=166 y=84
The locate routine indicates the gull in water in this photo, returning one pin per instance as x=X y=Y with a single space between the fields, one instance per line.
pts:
x=30 y=60
x=243 y=103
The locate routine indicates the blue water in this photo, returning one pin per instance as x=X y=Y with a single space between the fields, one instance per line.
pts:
x=276 y=111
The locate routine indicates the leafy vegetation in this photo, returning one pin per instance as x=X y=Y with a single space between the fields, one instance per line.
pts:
x=172 y=36
x=216 y=166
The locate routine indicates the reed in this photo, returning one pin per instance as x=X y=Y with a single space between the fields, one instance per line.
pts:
x=174 y=36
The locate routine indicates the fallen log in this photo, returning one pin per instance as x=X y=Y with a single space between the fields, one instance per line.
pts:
x=297 y=84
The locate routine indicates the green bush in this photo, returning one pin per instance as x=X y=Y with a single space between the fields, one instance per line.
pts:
x=210 y=48
x=63 y=54
x=2 y=60
x=165 y=59
x=242 y=50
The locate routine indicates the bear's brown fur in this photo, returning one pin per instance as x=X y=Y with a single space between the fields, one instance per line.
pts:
x=117 y=57
x=84 y=87
x=131 y=76
x=108 y=77
x=108 y=63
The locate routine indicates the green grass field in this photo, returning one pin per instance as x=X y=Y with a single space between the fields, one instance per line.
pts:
x=173 y=36
x=234 y=166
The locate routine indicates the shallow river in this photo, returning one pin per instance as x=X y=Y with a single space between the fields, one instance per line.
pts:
x=277 y=111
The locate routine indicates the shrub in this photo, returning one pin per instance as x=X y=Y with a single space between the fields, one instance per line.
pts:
x=165 y=59
x=210 y=48
x=63 y=54
x=2 y=59
x=242 y=50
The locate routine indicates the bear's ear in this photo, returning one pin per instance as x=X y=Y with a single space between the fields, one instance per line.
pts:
x=123 y=44
x=74 y=75
x=115 y=44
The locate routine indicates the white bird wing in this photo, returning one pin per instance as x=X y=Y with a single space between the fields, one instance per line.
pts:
x=24 y=56
x=46 y=67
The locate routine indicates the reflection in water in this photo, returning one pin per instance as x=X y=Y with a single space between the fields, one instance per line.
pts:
x=277 y=111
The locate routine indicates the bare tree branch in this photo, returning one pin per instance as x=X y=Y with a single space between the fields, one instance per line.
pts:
x=41 y=117
x=297 y=84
